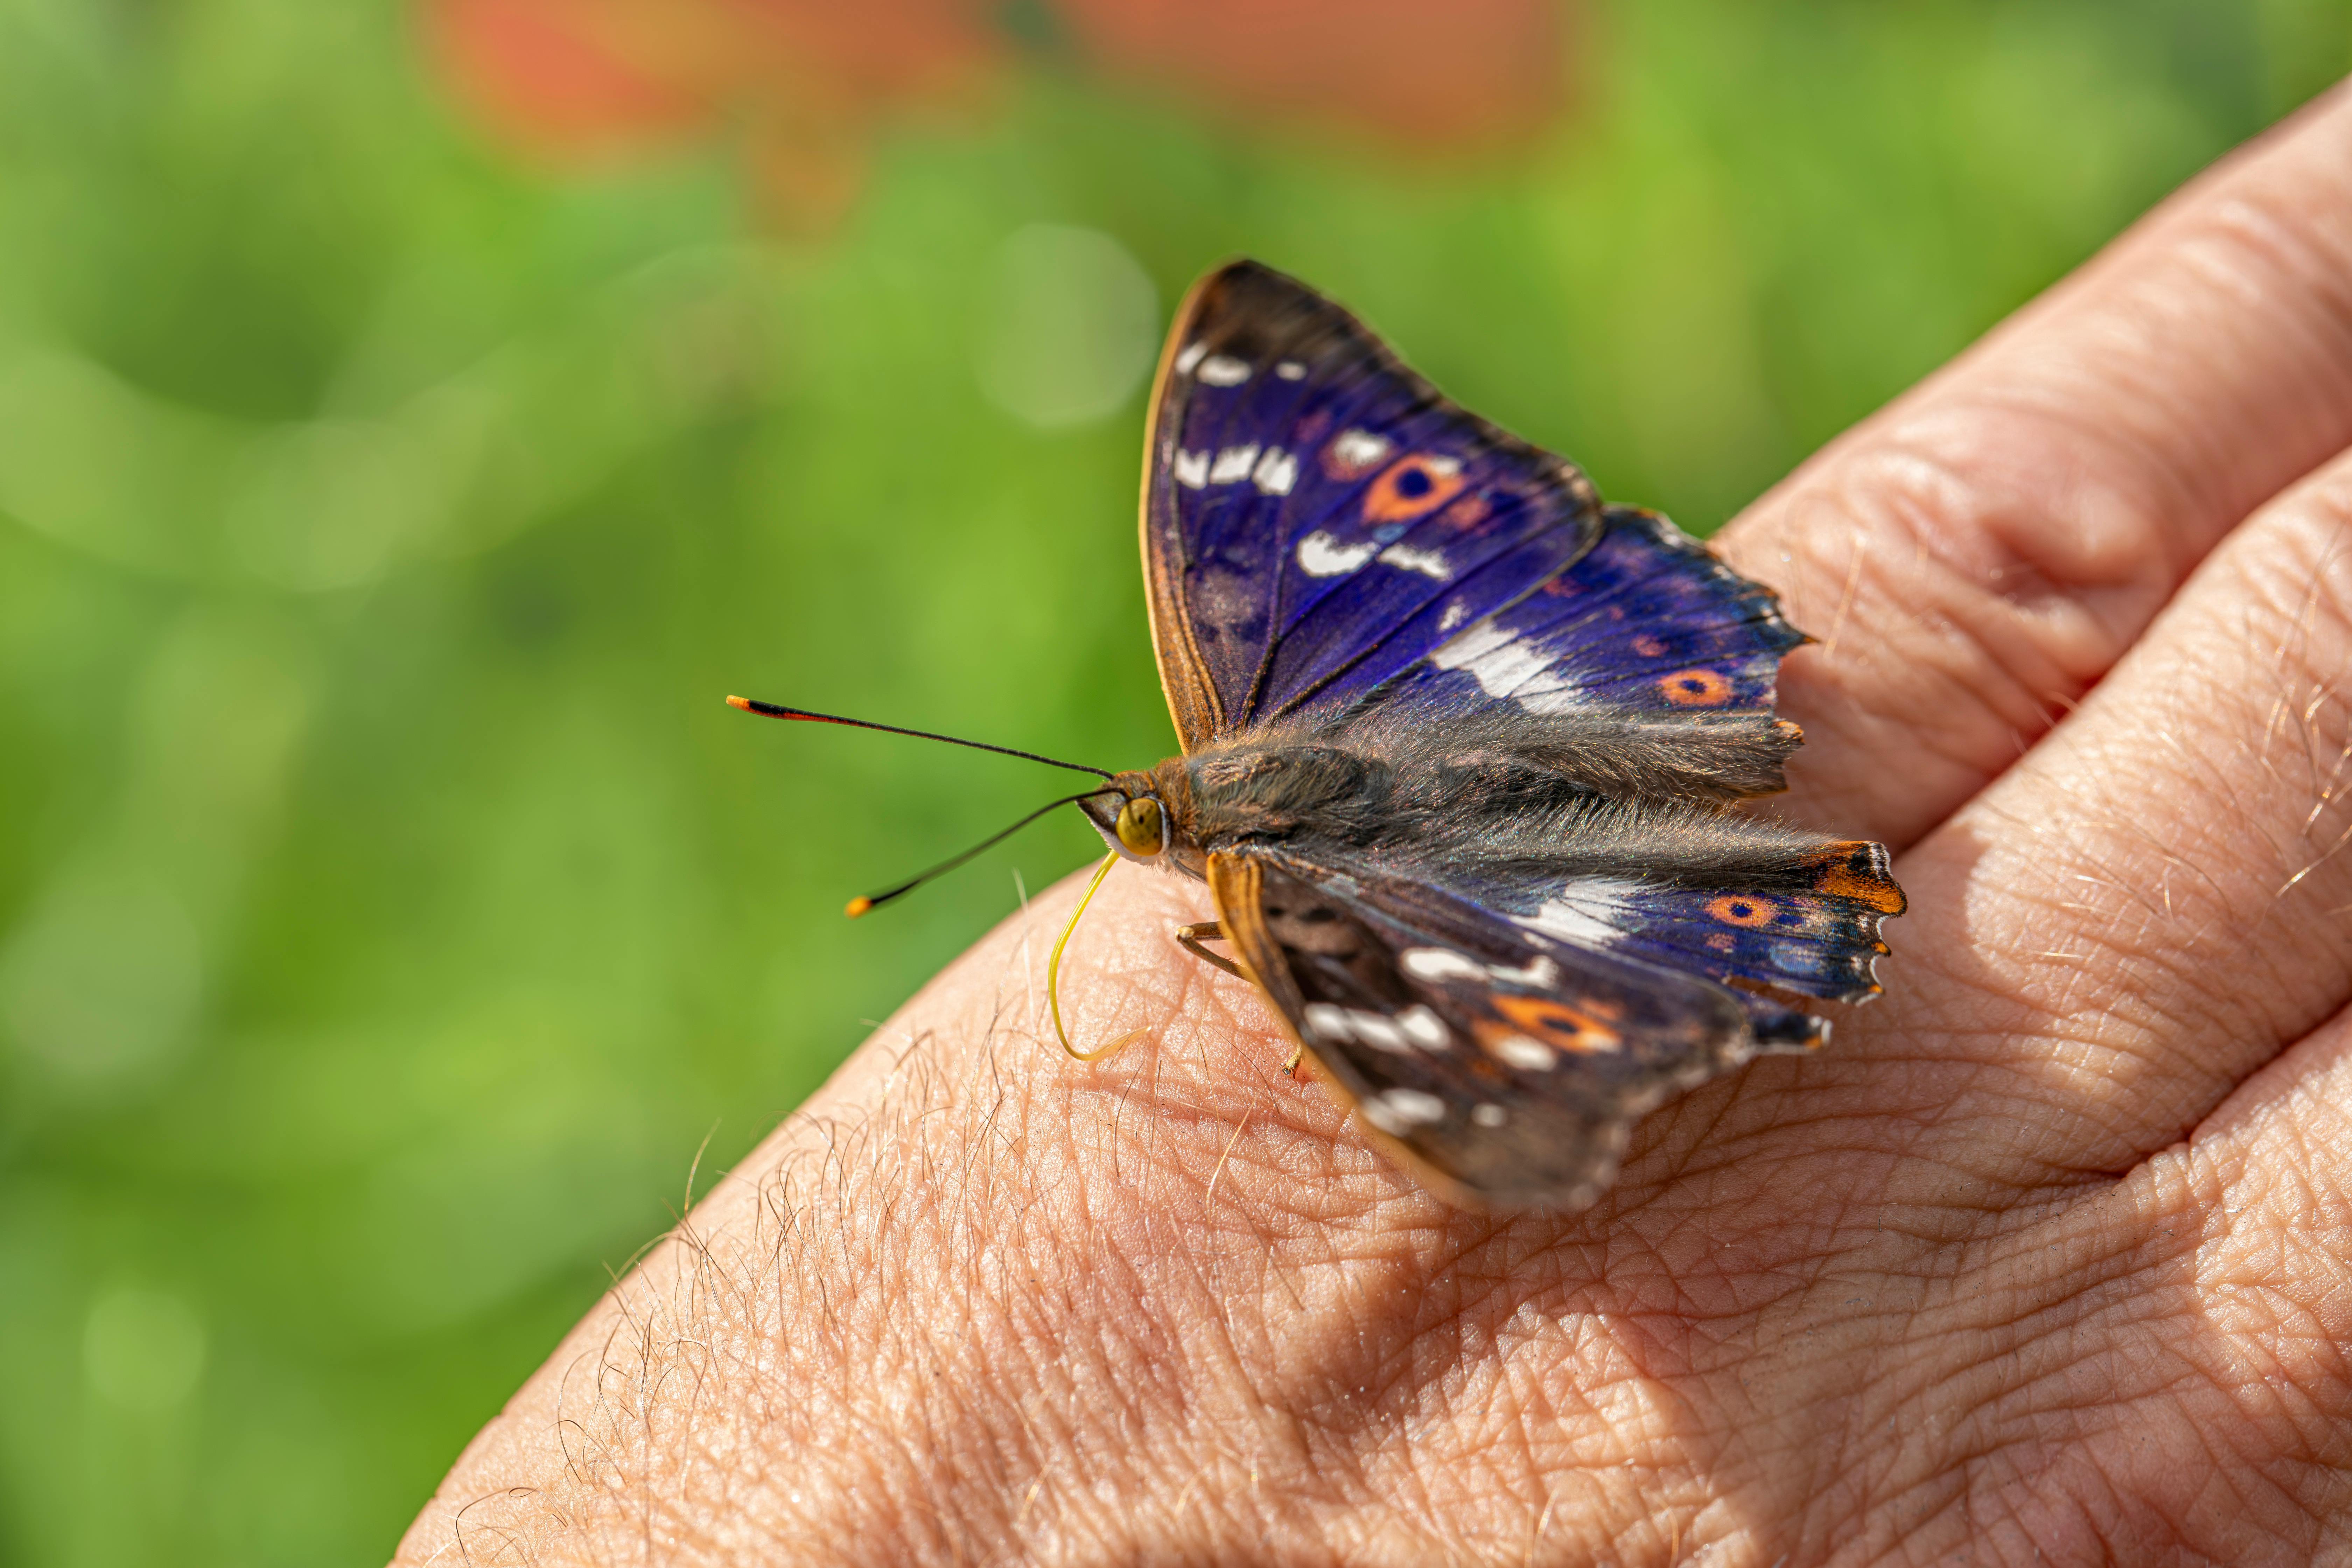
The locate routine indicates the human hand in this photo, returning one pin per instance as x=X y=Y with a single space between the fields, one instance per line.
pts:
x=2047 y=1256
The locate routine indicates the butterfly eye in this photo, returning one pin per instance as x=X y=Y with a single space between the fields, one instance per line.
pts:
x=1139 y=827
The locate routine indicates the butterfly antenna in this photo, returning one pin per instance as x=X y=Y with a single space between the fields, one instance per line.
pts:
x=777 y=711
x=860 y=906
x=1053 y=975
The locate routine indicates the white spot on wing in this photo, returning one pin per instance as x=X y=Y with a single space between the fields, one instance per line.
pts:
x=1232 y=463
x=1359 y=448
x=1490 y=1116
x=1503 y=665
x=1397 y=1110
x=1276 y=472
x=1320 y=555
x=1380 y=1034
x=1428 y=562
x=1190 y=357
x=1423 y=1027
x=1456 y=613
x=1526 y=1055
x=1223 y=370
x=1540 y=974
x=1439 y=963
x=1597 y=911
x=1325 y=1022
x=1291 y=370
x=1191 y=469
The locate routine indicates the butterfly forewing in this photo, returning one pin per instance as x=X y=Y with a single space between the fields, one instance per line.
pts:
x=1315 y=516
x=1505 y=1065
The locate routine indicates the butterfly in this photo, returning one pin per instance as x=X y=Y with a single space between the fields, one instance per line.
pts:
x=1462 y=746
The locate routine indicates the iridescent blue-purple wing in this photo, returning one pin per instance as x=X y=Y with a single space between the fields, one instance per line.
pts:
x=1315 y=516
x=1503 y=1065
x=1647 y=620
x=1788 y=922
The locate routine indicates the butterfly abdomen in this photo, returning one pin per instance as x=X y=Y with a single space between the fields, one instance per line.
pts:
x=1635 y=786
x=1619 y=753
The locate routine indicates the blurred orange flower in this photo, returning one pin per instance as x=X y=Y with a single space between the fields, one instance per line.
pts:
x=1425 y=75
x=807 y=84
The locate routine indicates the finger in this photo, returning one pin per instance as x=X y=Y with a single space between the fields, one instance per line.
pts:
x=2159 y=898
x=1974 y=557
x=2208 y=1298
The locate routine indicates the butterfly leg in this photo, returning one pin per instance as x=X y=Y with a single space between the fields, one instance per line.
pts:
x=1190 y=938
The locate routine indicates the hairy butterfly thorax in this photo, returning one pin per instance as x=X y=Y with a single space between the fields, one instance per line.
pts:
x=1461 y=745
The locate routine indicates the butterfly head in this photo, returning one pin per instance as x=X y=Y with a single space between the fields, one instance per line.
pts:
x=1130 y=817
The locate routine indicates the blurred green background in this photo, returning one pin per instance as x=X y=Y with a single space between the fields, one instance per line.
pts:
x=389 y=908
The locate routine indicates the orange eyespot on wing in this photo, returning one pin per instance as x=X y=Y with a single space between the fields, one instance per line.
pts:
x=1550 y=1025
x=1743 y=910
x=1695 y=688
x=1414 y=487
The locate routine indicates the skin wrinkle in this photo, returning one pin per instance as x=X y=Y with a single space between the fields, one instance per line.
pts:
x=1944 y=673
x=1996 y=1311
x=2085 y=519
x=2195 y=969
x=1924 y=484
x=2004 y=1484
x=2135 y=1292
x=2287 y=254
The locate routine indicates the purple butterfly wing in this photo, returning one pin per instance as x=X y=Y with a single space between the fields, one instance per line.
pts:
x=1504 y=1065
x=1648 y=619
x=1317 y=517
x=1800 y=923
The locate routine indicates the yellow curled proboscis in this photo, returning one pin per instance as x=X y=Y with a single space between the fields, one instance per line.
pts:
x=1053 y=974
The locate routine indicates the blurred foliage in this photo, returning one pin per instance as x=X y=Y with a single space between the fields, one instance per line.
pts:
x=389 y=908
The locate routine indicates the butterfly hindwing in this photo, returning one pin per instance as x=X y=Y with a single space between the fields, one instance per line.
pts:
x=1315 y=516
x=1783 y=912
x=1504 y=1065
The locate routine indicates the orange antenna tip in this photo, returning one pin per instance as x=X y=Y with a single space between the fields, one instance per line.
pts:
x=857 y=907
x=742 y=702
